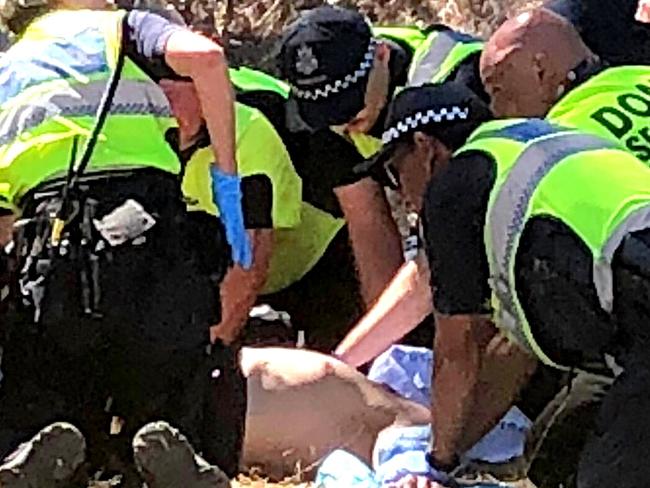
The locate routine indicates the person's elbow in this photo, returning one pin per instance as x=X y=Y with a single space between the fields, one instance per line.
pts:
x=191 y=54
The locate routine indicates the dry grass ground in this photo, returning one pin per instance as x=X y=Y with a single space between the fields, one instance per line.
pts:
x=245 y=482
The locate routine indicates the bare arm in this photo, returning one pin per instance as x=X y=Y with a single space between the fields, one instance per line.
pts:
x=477 y=376
x=375 y=238
x=400 y=308
x=193 y=55
x=6 y=229
x=241 y=287
x=505 y=370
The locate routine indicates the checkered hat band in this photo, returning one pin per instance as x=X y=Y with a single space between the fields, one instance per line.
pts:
x=340 y=85
x=412 y=122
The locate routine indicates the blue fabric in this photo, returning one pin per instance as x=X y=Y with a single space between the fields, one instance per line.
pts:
x=150 y=32
x=407 y=371
x=505 y=441
x=226 y=192
x=31 y=63
x=342 y=469
x=402 y=451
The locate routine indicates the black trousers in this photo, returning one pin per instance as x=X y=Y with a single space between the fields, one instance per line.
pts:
x=554 y=276
x=145 y=355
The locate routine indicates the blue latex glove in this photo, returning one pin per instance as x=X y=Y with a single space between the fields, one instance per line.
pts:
x=226 y=194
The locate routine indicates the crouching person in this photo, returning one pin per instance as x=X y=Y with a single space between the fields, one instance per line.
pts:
x=272 y=204
x=116 y=281
x=523 y=272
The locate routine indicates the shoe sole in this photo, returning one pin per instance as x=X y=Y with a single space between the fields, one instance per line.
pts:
x=53 y=456
x=161 y=455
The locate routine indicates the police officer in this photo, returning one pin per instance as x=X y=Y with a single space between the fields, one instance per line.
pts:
x=302 y=259
x=271 y=191
x=337 y=254
x=117 y=282
x=406 y=300
x=567 y=83
x=314 y=264
x=537 y=242
x=324 y=157
x=342 y=72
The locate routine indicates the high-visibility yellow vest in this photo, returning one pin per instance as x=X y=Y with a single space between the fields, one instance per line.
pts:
x=299 y=243
x=259 y=150
x=439 y=56
x=599 y=191
x=302 y=232
x=51 y=83
x=408 y=36
x=614 y=104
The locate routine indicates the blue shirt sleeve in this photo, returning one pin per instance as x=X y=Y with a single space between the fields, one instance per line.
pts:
x=145 y=38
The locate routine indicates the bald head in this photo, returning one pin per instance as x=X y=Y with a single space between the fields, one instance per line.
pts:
x=525 y=65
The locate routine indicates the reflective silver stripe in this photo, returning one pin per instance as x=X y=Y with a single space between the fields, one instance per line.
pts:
x=507 y=216
x=429 y=65
x=603 y=279
x=132 y=97
x=431 y=56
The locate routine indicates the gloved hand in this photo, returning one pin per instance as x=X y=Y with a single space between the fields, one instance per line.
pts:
x=226 y=194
